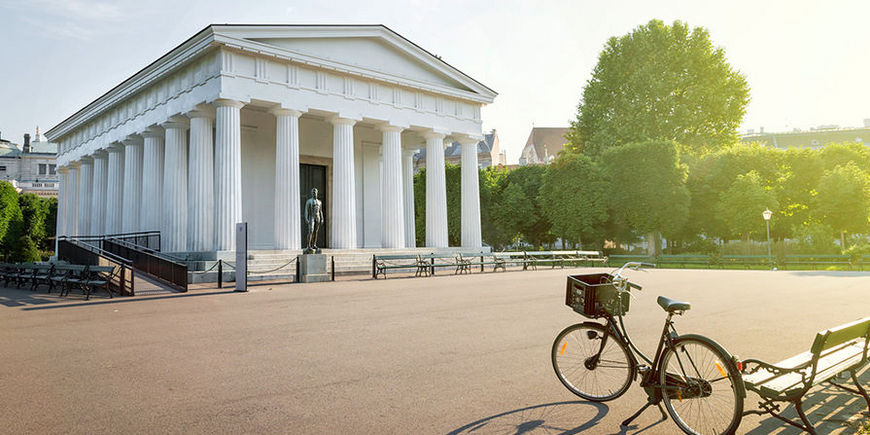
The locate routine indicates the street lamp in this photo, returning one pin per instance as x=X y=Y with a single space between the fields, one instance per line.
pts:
x=767 y=214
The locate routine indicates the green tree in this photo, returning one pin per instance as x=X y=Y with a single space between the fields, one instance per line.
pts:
x=492 y=183
x=34 y=211
x=520 y=206
x=647 y=188
x=11 y=219
x=842 y=201
x=740 y=207
x=574 y=194
x=660 y=82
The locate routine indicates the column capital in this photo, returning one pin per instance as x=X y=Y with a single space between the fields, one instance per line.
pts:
x=202 y=111
x=226 y=102
x=409 y=152
x=336 y=120
x=176 y=121
x=133 y=139
x=153 y=131
x=115 y=147
x=391 y=128
x=100 y=154
x=86 y=160
x=465 y=139
x=432 y=135
x=281 y=111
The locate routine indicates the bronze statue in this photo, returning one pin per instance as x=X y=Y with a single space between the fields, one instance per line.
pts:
x=314 y=219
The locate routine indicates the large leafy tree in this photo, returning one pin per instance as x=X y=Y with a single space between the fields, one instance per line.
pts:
x=574 y=194
x=648 y=188
x=521 y=207
x=842 y=201
x=660 y=82
x=740 y=207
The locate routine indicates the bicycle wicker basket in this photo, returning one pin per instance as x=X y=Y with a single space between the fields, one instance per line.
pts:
x=593 y=296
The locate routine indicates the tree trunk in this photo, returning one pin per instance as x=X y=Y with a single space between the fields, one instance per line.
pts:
x=843 y=240
x=652 y=244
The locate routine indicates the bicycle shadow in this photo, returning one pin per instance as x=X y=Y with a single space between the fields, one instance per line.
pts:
x=558 y=417
x=830 y=409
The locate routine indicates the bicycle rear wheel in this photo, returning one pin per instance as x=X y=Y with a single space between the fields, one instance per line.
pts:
x=699 y=387
x=591 y=362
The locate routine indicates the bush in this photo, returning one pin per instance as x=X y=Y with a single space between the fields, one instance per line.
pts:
x=25 y=251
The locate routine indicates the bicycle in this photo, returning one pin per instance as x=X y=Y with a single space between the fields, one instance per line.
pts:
x=696 y=378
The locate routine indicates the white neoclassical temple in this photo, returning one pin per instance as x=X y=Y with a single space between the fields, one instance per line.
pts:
x=239 y=122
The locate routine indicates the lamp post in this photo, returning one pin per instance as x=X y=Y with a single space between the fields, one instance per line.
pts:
x=767 y=214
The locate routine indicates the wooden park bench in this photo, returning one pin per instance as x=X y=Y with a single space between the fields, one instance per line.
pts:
x=620 y=259
x=434 y=261
x=815 y=261
x=382 y=263
x=682 y=260
x=834 y=351
x=745 y=261
x=496 y=260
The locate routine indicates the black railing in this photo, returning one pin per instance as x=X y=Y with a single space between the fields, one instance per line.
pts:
x=78 y=252
x=149 y=261
x=144 y=239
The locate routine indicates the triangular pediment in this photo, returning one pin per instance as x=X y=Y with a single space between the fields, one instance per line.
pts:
x=366 y=49
x=369 y=53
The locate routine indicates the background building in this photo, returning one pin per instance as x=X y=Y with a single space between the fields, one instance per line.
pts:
x=30 y=167
x=489 y=153
x=543 y=145
x=812 y=138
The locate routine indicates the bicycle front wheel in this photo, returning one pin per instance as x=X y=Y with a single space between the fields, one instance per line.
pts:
x=591 y=362
x=699 y=387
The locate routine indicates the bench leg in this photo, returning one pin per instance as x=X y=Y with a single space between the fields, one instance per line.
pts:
x=807 y=425
x=861 y=389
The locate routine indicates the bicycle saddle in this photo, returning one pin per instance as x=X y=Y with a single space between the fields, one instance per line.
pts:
x=671 y=305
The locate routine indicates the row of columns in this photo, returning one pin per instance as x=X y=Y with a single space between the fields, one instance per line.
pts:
x=191 y=192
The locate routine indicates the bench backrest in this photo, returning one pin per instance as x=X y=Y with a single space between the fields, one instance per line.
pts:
x=841 y=334
x=102 y=269
x=395 y=257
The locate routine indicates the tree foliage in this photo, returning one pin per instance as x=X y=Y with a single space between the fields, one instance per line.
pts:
x=660 y=82
x=574 y=194
x=842 y=199
x=739 y=209
x=647 y=187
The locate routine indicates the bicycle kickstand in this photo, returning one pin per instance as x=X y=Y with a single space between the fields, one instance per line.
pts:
x=650 y=401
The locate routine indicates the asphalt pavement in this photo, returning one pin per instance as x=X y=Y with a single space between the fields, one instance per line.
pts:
x=446 y=354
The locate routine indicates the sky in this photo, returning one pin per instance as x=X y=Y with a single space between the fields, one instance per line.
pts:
x=807 y=63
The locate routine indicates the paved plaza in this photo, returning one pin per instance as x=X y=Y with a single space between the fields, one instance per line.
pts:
x=447 y=354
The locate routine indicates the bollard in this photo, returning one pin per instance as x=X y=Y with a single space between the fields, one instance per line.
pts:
x=220 y=274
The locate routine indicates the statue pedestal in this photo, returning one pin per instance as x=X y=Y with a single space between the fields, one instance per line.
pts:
x=312 y=268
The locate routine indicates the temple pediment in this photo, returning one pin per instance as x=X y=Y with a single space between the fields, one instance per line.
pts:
x=367 y=50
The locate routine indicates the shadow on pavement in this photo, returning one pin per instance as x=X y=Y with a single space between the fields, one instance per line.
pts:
x=828 y=408
x=29 y=301
x=559 y=417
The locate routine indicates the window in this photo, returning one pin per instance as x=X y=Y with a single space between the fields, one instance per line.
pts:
x=52 y=169
x=2 y=169
x=42 y=168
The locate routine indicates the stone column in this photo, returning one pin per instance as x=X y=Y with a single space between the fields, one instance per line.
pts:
x=173 y=229
x=343 y=219
x=392 y=201
x=72 y=204
x=436 y=192
x=200 y=182
x=98 y=202
x=86 y=185
x=408 y=197
x=228 y=174
x=288 y=223
x=132 y=184
x=62 y=197
x=152 y=179
x=470 y=195
x=114 y=189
